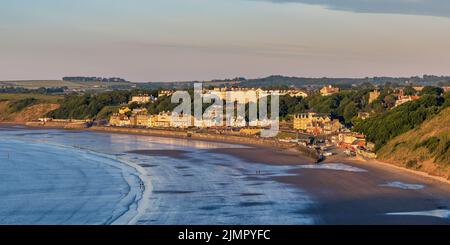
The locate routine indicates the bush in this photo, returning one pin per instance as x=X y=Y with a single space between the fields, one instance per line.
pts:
x=431 y=144
x=412 y=164
x=22 y=104
x=382 y=128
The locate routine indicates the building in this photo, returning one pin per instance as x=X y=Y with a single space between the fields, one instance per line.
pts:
x=139 y=111
x=366 y=153
x=120 y=120
x=351 y=141
x=297 y=93
x=446 y=89
x=144 y=120
x=349 y=137
x=243 y=95
x=374 y=95
x=332 y=127
x=162 y=120
x=166 y=93
x=419 y=88
x=316 y=123
x=363 y=115
x=182 y=121
x=329 y=90
x=404 y=99
x=124 y=110
x=238 y=122
x=213 y=117
x=141 y=99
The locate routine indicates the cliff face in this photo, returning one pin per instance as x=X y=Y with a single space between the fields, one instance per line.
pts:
x=30 y=113
x=425 y=148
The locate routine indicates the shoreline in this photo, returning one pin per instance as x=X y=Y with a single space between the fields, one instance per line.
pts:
x=128 y=207
x=271 y=145
x=279 y=147
x=338 y=193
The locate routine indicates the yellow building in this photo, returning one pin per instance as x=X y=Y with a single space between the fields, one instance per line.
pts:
x=309 y=120
x=119 y=120
x=349 y=138
x=162 y=120
x=140 y=99
x=124 y=110
x=166 y=93
x=297 y=93
x=181 y=121
x=144 y=120
x=316 y=123
x=332 y=127
x=374 y=95
x=329 y=90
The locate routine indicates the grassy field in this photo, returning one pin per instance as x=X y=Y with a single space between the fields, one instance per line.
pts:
x=40 y=83
x=41 y=97
x=35 y=84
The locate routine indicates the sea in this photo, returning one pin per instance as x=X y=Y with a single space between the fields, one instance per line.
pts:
x=52 y=177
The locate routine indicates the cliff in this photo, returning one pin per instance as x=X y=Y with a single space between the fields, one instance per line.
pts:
x=425 y=148
x=30 y=113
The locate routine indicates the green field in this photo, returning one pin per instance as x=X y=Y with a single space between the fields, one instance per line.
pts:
x=40 y=97
x=35 y=84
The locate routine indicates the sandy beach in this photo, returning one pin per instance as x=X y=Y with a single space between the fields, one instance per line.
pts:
x=344 y=190
x=348 y=197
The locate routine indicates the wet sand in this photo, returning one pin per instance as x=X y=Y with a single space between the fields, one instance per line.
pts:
x=348 y=197
x=344 y=197
x=178 y=154
x=267 y=155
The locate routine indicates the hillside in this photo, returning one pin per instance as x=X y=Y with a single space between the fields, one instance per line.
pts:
x=19 y=108
x=425 y=148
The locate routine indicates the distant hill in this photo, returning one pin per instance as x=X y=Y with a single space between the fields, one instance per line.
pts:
x=70 y=84
x=425 y=148
x=268 y=82
x=284 y=81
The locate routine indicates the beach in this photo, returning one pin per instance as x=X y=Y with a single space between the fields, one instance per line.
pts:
x=211 y=182
x=187 y=184
x=348 y=196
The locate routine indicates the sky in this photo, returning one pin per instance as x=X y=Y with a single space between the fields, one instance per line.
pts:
x=181 y=40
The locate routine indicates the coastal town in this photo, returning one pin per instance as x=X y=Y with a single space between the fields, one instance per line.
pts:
x=321 y=133
x=259 y=118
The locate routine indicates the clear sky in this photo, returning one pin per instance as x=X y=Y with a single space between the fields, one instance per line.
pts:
x=176 y=40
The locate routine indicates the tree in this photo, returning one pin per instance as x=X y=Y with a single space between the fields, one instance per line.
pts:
x=432 y=90
x=382 y=128
x=390 y=100
x=350 y=111
x=409 y=91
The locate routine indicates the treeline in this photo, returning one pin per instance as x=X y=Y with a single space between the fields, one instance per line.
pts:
x=344 y=106
x=384 y=127
x=21 y=90
x=86 y=106
x=300 y=82
x=95 y=79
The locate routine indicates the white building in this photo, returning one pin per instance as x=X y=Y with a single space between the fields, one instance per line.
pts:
x=141 y=99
